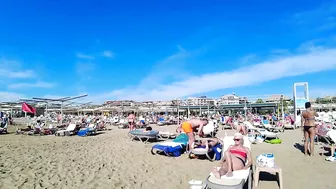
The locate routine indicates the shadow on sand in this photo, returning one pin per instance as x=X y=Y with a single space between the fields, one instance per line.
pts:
x=299 y=147
x=265 y=176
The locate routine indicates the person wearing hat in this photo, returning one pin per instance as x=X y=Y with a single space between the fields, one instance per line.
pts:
x=236 y=157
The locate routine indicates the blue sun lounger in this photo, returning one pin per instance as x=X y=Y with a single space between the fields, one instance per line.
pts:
x=172 y=148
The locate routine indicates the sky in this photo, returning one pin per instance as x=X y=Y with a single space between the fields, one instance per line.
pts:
x=163 y=50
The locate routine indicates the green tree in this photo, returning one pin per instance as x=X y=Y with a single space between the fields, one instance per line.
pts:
x=259 y=101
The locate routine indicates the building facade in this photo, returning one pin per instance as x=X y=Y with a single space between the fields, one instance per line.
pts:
x=200 y=101
x=231 y=99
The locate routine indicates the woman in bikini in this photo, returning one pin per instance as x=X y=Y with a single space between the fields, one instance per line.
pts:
x=131 y=120
x=308 y=126
x=235 y=158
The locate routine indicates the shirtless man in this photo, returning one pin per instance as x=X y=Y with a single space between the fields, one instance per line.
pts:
x=188 y=127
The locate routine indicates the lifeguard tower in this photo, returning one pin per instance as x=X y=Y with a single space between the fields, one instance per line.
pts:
x=299 y=101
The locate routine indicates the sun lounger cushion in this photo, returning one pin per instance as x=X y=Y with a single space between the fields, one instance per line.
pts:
x=174 y=148
x=142 y=132
x=86 y=131
x=236 y=179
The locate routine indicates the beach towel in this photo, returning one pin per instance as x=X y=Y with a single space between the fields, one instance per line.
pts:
x=217 y=149
x=173 y=148
x=332 y=135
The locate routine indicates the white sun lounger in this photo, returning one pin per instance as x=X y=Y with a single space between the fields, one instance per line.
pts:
x=4 y=129
x=239 y=178
x=69 y=130
x=201 y=151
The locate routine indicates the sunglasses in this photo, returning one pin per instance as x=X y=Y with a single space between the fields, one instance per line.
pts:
x=236 y=139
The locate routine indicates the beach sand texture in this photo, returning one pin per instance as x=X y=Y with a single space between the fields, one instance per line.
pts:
x=112 y=160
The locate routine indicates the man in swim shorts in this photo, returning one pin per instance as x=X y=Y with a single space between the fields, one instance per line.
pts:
x=188 y=127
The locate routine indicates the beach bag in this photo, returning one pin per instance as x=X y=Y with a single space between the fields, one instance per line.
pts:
x=266 y=160
x=274 y=141
x=217 y=149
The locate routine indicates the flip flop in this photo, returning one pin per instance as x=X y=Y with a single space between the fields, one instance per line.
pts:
x=331 y=159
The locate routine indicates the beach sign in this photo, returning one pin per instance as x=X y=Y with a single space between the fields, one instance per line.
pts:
x=300 y=103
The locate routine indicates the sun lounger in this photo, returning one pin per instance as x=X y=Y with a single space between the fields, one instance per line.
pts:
x=262 y=132
x=90 y=130
x=210 y=129
x=239 y=178
x=161 y=122
x=143 y=135
x=4 y=129
x=210 y=153
x=171 y=148
x=167 y=135
x=69 y=130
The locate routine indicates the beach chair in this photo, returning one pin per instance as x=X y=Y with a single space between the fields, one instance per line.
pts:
x=90 y=130
x=161 y=122
x=210 y=129
x=256 y=123
x=166 y=135
x=4 y=129
x=172 y=148
x=202 y=151
x=70 y=130
x=143 y=135
x=326 y=136
x=123 y=124
x=239 y=178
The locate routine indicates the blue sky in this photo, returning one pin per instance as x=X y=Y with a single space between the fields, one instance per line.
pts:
x=159 y=50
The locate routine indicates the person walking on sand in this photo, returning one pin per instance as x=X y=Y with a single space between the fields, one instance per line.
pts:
x=131 y=120
x=308 y=127
x=188 y=127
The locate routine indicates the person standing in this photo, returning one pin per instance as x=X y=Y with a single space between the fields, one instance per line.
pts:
x=308 y=127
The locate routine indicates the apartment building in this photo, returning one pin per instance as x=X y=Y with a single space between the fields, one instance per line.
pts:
x=200 y=101
x=231 y=99
x=276 y=98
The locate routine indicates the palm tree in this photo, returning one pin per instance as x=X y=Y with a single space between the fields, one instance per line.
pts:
x=259 y=101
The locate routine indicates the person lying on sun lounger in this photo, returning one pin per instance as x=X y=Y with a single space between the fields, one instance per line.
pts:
x=211 y=142
x=237 y=157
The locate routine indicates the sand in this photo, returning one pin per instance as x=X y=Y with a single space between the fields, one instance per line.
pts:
x=112 y=160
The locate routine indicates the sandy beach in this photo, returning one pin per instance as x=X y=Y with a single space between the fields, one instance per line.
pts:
x=112 y=160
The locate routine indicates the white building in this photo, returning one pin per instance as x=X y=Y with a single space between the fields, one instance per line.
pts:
x=276 y=98
x=200 y=101
x=231 y=99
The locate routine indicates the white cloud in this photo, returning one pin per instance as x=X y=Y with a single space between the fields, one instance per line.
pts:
x=108 y=54
x=38 y=84
x=320 y=19
x=84 y=56
x=12 y=69
x=287 y=66
x=10 y=96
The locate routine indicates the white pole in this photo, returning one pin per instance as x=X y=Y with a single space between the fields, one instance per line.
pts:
x=245 y=108
x=208 y=108
x=61 y=112
x=46 y=113
x=178 y=112
x=282 y=111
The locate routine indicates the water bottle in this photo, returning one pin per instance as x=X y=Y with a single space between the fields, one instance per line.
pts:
x=270 y=160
